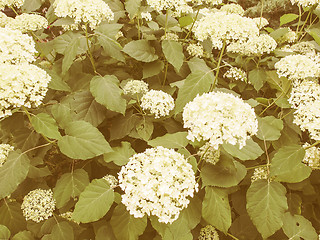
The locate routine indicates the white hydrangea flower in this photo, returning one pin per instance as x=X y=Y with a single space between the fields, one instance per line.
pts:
x=177 y=6
x=68 y=216
x=212 y=2
x=157 y=182
x=255 y=46
x=289 y=37
x=208 y=233
x=170 y=36
x=21 y=85
x=297 y=67
x=112 y=180
x=4 y=19
x=209 y=154
x=220 y=118
x=28 y=22
x=236 y=74
x=157 y=102
x=195 y=50
x=16 y=47
x=38 y=205
x=147 y=16
x=220 y=26
x=91 y=12
x=11 y=3
x=305 y=3
x=134 y=87
x=232 y=8
x=312 y=156
x=259 y=173
x=261 y=22
x=303 y=48
x=4 y=152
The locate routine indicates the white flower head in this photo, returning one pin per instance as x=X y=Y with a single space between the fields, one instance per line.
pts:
x=16 y=47
x=177 y=6
x=305 y=3
x=11 y=3
x=211 y=2
x=220 y=118
x=195 y=50
x=208 y=233
x=170 y=36
x=209 y=154
x=157 y=182
x=261 y=22
x=147 y=16
x=259 y=173
x=134 y=87
x=235 y=73
x=157 y=102
x=288 y=37
x=232 y=8
x=68 y=216
x=28 y=22
x=312 y=156
x=112 y=180
x=38 y=205
x=4 y=152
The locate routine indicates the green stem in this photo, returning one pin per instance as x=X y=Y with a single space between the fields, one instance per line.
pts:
x=194 y=21
x=312 y=145
x=89 y=51
x=12 y=8
x=264 y=165
x=218 y=66
x=300 y=31
x=165 y=73
x=230 y=235
x=166 y=24
x=138 y=20
x=297 y=30
x=268 y=159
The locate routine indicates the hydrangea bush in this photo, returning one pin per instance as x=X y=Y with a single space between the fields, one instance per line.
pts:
x=159 y=119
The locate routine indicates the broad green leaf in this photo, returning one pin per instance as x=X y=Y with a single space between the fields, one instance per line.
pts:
x=250 y=151
x=257 y=77
x=13 y=172
x=62 y=231
x=279 y=33
x=315 y=33
x=173 y=52
x=196 y=83
x=170 y=140
x=123 y=125
x=106 y=91
x=4 y=232
x=266 y=204
x=44 y=124
x=297 y=227
x=282 y=84
x=269 y=128
x=94 y=202
x=11 y=216
x=143 y=129
x=192 y=213
x=294 y=203
x=25 y=138
x=287 y=164
x=126 y=226
x=62 y=42
x=23 y=235
x=31 y=5
x=286 y=18
x=152 y=69
x=83 y=141
x=56 y=82
x=132 y=7
x=196 y=64
x=243 y=229
x=185 y=21
x=216 y=209
x=70 y=185
x=120 y=155
x=140 y=50
x=62 y=114
x=70 y=55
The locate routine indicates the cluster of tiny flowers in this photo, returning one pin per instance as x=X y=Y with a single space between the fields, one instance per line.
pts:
x=134 y=87
x=221 y=26
x=297 y=67
x=112 y=180
x=178 y=6
x=255 y=46
x=305 y=98
x=170 y=36
x=195 y=50
x=4 y=19
x=312 y=156
x=91 y=12
x=16 y=47
x=289 y=37
x=259 y=173
x=11 y=3
x=211 y=2
x=157 y=102
x=305 y=3
x=209 y=154
x=208 y=233
x=219 y=117
x=304 y=48
x=147 y=16
x=261 y=22
x=232 y=8
x=235 y=73
x=157 y=182
x=28 y=22
x=68 y=216
x=4 y=152
x=38 y=205
x=21 y=85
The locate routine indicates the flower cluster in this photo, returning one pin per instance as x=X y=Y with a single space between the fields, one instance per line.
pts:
x=68 y=216
x=178 y=6
x=112 y=180
x=11 y=3
x=28 y=22
x=220 y=118
x=312 y=156
x=147 y=16
x=221 y=26
x=21 y=85
x=288 y=37
x=38 y=205
x=232 y=8
x=235 y=73
x=195 y=50
x=208 y=233
x=259 y=173
x=261 y=22
x=16 y=47
x=157 y=182
x=4 y=152
x=157 y=102
x=91 y=12
x=209 y=154
x=170 y=36
x=134 y=87
x=212 y=2
x=305 y=3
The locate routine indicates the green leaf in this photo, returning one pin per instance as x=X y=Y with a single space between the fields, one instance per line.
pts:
x=62 y=42
x=281 y=84
x=269 y=128
x=132 y=7
x=83 y=141
x=13 y=172
x=250 y=151
x=257 y=77
x=315 y=33
x=23 y=235
x=4 y=232
x=25 y=138
x=62 y=231
x=286 y=18
x=120 y=155
x=196 y=83
x=62 y=114
x=287 y=164
x=140 y=50
x=70 y=55
x=185 y=21
x=266 y=204
x=143 y=129
x=56 y=82
x=94 y=202
x=173 y=52
x=297 y=227
x=170 y=140
x=44 y=124
x=70 y=185
x=125 y=226
x=31 y=5
x=216 y=209
x=106 y=91
x=11 y=216
x=152 y=69
x=123 y=125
